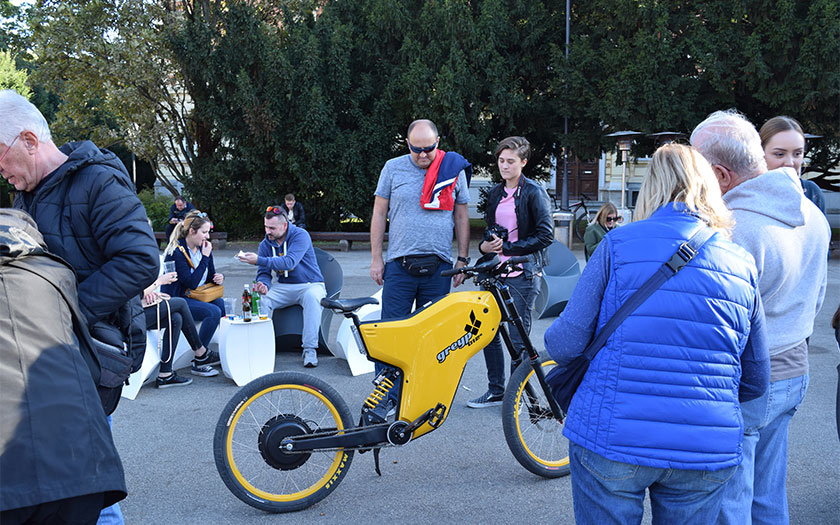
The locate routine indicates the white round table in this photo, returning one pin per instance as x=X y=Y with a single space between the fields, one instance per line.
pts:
x=246 y=349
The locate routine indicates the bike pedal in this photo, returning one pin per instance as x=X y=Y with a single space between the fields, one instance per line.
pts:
x=436 y=417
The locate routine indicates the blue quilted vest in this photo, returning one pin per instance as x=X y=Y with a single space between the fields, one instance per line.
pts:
x=663 y=392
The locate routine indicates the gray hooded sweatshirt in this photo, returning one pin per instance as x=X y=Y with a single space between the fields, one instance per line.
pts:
x=788 y=237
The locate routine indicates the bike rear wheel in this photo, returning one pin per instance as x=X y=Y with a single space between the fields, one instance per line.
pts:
x=250 y=428
x=580 y=221
x=532 y=433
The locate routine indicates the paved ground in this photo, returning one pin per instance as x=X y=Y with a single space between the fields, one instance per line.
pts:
x=463 y=472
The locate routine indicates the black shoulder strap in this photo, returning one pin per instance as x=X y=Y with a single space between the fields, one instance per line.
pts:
x=683 y=255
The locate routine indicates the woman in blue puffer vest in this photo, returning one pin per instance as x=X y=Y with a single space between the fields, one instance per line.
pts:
x=659 y=406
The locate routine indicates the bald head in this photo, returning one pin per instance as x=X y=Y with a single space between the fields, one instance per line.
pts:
x=422 y=141
x=422 y=123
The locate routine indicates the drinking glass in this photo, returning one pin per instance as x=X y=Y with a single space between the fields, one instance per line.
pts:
x=230 y=307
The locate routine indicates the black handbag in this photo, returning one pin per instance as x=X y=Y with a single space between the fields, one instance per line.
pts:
x=564 y=381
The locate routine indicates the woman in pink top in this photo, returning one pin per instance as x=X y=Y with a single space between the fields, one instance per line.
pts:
x=518 y=223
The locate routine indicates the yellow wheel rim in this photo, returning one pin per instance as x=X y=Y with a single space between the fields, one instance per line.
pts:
x=550 y=464
x=295 y=496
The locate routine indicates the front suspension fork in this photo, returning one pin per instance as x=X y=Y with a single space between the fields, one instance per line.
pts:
x=510 y=314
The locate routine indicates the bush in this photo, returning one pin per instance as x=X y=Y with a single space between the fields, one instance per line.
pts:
x=157 y=208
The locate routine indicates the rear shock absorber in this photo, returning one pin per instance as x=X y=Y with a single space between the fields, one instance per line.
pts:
x=383 y=384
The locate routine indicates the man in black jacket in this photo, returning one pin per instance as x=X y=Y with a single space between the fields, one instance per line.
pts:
x=177 y=212
x=294 y=211
x=85 y=206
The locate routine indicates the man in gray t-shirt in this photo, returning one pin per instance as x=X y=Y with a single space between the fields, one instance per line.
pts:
x=420 y=236
x=417 y=234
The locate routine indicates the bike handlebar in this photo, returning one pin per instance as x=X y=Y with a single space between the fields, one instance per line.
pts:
x=518 y=259
x=449 y=273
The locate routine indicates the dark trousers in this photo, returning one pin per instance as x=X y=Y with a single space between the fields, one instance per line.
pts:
x=209 y=315
x=523 y=292
x=401 y=290
x=182 y=321
x=77 y=510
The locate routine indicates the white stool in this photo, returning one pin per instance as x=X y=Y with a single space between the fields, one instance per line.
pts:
x=246 y=349
x=347 y=348
x=148 y=370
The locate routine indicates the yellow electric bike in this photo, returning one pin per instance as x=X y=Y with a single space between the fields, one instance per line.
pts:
x=286 y=440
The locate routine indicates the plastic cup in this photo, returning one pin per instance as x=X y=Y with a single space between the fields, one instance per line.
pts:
x=230 y=306
x=168 y=266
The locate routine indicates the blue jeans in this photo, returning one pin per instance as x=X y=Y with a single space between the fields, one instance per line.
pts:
x=758 y=492
x=209 y=315
x=605 y=491
x=110 y=515
x=401 y=290
x=524 y=293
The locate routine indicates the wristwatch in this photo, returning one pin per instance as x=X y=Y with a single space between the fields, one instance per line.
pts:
x=465 y=260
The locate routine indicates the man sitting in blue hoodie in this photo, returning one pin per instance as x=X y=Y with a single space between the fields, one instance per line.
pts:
x=287 y=251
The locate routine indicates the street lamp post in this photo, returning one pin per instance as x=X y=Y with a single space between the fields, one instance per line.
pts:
x=625 y=141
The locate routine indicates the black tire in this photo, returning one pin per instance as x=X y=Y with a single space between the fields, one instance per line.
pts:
x=533 y=435
x=580 y=220
x=290 y=403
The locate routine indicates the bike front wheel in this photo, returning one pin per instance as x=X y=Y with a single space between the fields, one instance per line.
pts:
x=255 y=421
x=532 y=433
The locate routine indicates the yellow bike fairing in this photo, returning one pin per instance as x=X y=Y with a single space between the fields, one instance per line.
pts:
x=433 y=346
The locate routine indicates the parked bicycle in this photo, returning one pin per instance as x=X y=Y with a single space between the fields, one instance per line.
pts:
x=581 y=215
x=286 y=440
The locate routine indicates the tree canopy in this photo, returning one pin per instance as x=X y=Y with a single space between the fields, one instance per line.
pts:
x=262 y=98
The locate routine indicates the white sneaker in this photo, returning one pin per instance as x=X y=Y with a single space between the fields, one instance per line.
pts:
x=310 y=358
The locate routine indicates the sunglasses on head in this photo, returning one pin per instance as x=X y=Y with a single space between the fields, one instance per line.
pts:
x=276 y=210
x=418 y=151
x=614 y=219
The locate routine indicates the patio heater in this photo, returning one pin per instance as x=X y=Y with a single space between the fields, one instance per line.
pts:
x=664 y=137
x=625 y=141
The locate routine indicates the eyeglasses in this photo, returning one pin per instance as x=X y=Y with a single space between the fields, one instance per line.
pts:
x=3 y=156
x=276 y=210
x=615 y=219
x=418 y=151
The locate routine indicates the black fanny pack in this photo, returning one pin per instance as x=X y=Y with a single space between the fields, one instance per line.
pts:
x=419 y=265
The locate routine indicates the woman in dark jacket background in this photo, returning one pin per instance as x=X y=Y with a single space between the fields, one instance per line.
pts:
x=659 y=407
x=192 y=252
x=518 y=223
x=605 y=220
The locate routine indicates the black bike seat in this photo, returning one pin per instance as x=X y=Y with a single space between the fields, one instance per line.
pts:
x=347 y=305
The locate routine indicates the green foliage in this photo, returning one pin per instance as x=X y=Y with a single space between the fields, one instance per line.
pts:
x=157 y=208
x=663 y=66
x=12 y=27
x=11 y=77
x=311 y=97
x=317 y=107
x=111 y=63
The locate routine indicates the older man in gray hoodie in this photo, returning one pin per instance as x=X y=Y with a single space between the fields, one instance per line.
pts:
x=788 y=237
